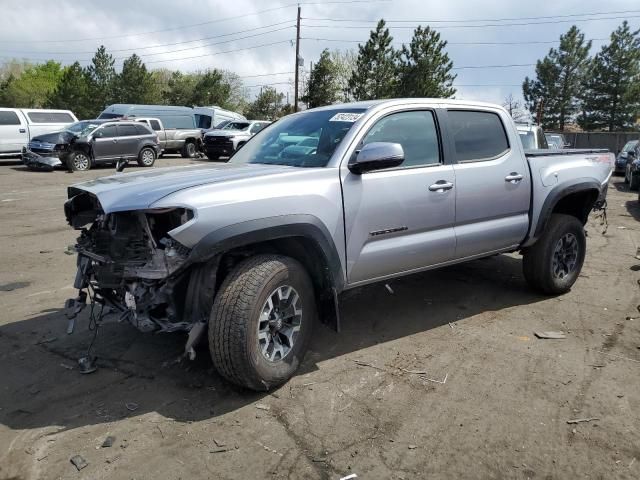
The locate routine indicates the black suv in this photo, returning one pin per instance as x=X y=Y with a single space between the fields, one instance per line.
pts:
x=90 y=142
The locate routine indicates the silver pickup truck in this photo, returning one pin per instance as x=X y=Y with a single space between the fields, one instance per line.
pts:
x=254 y=251
x=185 y=141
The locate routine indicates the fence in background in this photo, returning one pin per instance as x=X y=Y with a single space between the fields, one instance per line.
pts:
x=614 y=141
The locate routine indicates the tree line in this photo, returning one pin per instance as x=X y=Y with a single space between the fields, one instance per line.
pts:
x=600 y=92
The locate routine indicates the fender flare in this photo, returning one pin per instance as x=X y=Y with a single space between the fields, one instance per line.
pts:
x=556 y=194
x=274 y=228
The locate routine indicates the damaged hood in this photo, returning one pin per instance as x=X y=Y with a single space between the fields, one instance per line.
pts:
x=135 y=191
x=56 y=138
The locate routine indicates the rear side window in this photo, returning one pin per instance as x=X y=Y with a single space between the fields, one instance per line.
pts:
x=143 y=129
x=178 y=121
x=155 y=125
x=127 y=130
x=9 y=118
x=477 y=135
x=415 y=131
x=50 y=117
x=203 y=121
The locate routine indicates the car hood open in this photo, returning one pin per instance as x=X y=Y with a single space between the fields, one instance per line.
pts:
x=140 y=190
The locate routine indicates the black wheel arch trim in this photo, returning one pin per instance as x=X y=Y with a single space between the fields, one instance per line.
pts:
x=273 y=228
x=557 y=193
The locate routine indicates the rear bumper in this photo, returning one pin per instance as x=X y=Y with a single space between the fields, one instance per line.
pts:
x=38 y=162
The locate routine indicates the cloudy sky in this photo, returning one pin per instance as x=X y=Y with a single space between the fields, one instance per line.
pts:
x=493 y=44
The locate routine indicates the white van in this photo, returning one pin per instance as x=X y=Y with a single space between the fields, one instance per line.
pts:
x=211 y=117
x=18 y=125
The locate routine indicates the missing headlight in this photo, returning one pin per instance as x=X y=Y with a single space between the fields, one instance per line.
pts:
x=163 y=220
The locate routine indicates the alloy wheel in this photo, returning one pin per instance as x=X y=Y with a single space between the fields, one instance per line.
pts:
x=565 y=256
x=81 y=161
x=279 y=323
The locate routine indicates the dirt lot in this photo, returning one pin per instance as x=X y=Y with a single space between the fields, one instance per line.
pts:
x=355 y=407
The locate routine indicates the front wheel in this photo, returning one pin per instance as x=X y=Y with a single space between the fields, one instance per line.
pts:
x=146 y=157
x=261 y=322
x=79 y=161
x=553 y=263
x=188 y=150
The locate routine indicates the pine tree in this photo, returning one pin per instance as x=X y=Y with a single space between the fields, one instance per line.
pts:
x=322 y=87
x=425 y=67
x=134 y=84
x=375 y=72
x=610 y=97
x=267 y=106
x=180 y=89
x=101 y=79
x=71 y=92
x=211 y=89
x=559 y=76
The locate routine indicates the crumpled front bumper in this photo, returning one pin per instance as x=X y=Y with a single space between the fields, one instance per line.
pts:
x=36 y=161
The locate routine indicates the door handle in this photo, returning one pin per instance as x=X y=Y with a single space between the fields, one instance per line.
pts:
x=115 y=140
x=441 y=186
x=513 y=177
x=22 y=130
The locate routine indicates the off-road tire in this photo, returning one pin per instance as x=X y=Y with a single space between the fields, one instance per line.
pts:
x=634 y=181
x=146 y=160
x=188 y=150
x=233 y=325
x=76 y=165
x=538 y=260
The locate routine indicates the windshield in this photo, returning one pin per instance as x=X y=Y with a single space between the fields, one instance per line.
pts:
x=555 y=141
x=629 y=146
x=84 y=128
x=528 y=140
x=236 y=126
x=288 y=141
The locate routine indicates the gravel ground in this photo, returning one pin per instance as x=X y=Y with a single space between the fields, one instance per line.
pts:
x=494 y=401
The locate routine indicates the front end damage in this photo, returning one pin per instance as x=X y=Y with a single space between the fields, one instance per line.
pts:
x=128 y=262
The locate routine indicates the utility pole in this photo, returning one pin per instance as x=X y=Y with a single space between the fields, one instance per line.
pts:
x=295 y=94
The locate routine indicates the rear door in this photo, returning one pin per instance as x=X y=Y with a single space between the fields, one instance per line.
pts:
x=400 y=219
x=493 y=188
x=128 y=140
x=14 y=133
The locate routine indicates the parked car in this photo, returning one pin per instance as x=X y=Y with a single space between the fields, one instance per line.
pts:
x=211 y=117
x=623 y=157
x=91 y=142
x=187 y=141
x=19 y=125
x=556 y=140
x=532 y=137
x=632 y=168
x=224 y=142
x=254 y=251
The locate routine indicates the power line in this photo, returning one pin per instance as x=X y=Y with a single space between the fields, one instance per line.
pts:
x=476 y=20
x=159 y=45
x=532 y=42
x=209 y=22
x=494 y=66
x=485 y=25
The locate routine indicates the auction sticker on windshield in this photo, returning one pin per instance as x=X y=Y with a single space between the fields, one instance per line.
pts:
x=345 y=117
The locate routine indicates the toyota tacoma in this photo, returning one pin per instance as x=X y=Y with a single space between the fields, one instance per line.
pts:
x=250 y=253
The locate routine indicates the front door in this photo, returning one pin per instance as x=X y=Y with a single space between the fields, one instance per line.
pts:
x=105 y=143
x=400 y=219
x=493 y=188
x=13 y=132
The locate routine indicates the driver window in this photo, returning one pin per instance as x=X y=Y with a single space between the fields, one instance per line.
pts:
x=415 y=131
x=106 y=132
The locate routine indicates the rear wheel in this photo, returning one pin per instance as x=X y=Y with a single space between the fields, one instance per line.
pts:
x=146 y=157
x=553 y=263
x=79 y=161
x=261 y=321
x=188 y=150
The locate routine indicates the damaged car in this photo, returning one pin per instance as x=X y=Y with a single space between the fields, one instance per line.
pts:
x=250 y=253
x=88 y=143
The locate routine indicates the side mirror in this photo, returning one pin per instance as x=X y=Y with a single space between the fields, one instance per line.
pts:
x=631 y=153
x=376 y=156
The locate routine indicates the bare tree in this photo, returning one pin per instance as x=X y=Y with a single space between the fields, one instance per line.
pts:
x=514 y=107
